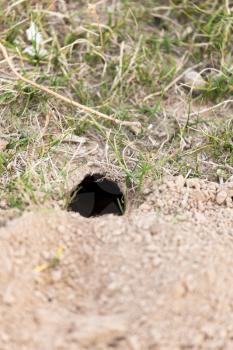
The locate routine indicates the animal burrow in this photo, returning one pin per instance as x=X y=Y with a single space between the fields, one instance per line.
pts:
x=95 y=196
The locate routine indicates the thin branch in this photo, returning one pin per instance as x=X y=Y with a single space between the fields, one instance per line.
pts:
x=209 y=109
x=61 y=97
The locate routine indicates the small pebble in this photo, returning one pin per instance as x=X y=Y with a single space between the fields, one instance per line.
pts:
x=56 y=275
x=194 y=81
x=221 y=197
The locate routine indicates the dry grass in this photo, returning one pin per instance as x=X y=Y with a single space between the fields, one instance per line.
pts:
x=120 y=58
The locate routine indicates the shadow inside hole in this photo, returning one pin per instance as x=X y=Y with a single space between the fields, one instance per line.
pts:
x=96 y=196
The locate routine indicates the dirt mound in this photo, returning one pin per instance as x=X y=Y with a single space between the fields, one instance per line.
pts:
x=160 y=277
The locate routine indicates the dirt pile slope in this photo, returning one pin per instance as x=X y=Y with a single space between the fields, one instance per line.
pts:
x=160 y=277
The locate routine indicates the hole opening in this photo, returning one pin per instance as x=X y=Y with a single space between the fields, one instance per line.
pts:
x=96 y=196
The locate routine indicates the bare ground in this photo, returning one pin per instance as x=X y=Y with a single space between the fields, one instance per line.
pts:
x=158 y=278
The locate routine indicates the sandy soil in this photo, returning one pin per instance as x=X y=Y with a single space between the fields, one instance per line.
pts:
x=160 y=277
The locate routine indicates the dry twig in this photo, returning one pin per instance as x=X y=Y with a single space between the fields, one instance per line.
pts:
x=210 y=109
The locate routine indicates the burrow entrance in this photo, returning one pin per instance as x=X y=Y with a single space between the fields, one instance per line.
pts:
x=96 y=196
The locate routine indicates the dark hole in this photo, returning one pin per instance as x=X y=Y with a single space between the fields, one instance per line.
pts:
x=96 y=196
x=158 y=21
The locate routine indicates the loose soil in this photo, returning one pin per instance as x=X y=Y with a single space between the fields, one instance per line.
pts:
x=159 y=277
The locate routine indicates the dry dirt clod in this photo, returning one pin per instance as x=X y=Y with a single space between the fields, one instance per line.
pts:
x=8 y=295
x=221 y=197
x=3 y=144
x=101 y=329
x=180 y=181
